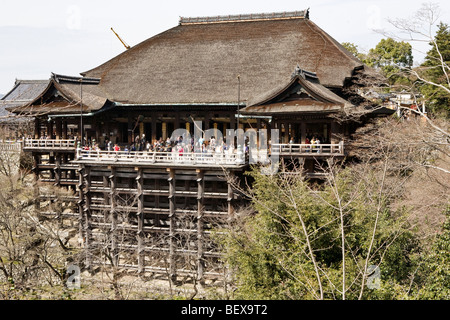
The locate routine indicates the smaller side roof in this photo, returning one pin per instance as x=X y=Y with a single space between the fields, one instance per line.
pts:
x=64 y=94
x=303 y=93
x=23 y=92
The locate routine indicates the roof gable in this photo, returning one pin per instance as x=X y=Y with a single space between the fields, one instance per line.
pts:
x=64 y=94
x=23 y=92
x=303 y=93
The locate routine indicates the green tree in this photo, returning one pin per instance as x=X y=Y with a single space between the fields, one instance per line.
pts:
x=393 y=58
x=306 y=243
x=436 y=268
x=435 y=72
x=354 y=49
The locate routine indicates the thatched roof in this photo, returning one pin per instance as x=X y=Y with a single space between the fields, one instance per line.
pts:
x=302 y=94
x=199 y=60
x=198 y=63
x=64 y=95
x=23 y=92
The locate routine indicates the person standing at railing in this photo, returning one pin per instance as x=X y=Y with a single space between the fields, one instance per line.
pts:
x=180 y=151
x=313 y=144
x=316 y=143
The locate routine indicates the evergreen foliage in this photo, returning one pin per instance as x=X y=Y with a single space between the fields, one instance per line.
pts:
x=436 y=70
x=269 y=251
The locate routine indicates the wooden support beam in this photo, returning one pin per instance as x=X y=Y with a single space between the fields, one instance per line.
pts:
x=58 y=129
x=113 y=215
x=200 y=212
x=130 y=131
x=140 y=217
x=230 y=194
x=36 y=162
x=172 y=244
x=80 y=204
x=153 y=127
x=87 y=215
x=37 y=128
x=50 y=129
x=64 y=129
x=303 y=132
x=57 y=169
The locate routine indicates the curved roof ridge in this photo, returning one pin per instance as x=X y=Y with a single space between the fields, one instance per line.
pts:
x=303 y=14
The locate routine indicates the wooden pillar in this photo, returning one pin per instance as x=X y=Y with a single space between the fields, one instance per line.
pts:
x=230 y=194
x=177 y=122
x=154 y=127
x=57 y=169
x=36 y=161
x=58 y=128
x=130 y=130
x=80 y=204
x=294 y=133
x=50 y=129
x=87 y=215
x=200 y=237
x=140 y=217
x=113 y=215
x=232 y=121
x=187 y=187
x=37 y=128
x=172 y=244
x=334 y=129
x=51 y=160
x=303 y=132
x=106 y=200
x=286 y=131
x=207 y=118
x=64 y=130
x=164 y=130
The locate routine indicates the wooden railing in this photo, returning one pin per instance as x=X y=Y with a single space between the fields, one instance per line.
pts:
x=10 y=146
x=49 y=144
x=217 y=159
x=308 y=149
x=223 y=158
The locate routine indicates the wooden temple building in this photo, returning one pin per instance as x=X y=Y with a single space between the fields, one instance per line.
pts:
x=260 y=71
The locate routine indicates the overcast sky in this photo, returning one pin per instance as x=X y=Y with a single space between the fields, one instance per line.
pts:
x=69 y=37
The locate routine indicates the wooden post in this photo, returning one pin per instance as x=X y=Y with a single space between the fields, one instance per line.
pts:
x=207 y=118
x=37 y=128
x=80 y=203
x=230 y=194
x=50 y=129
x=187 y=187
x=303 y=131
x=58 y=128
x=113 y=214
x=157 y=187
x=87 y=214
x=36 y=159
x=153 y=127
x=130 y=131
x=172 y=246
x=140 y=217
x=200 y=212
x=57 y=169
x=177 y=122
x=232 y=122
x=64 y=130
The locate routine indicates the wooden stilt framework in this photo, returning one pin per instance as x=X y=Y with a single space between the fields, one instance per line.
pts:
x=147 y=218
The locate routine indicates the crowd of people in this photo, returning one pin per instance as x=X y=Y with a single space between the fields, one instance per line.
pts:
x=181 y=145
